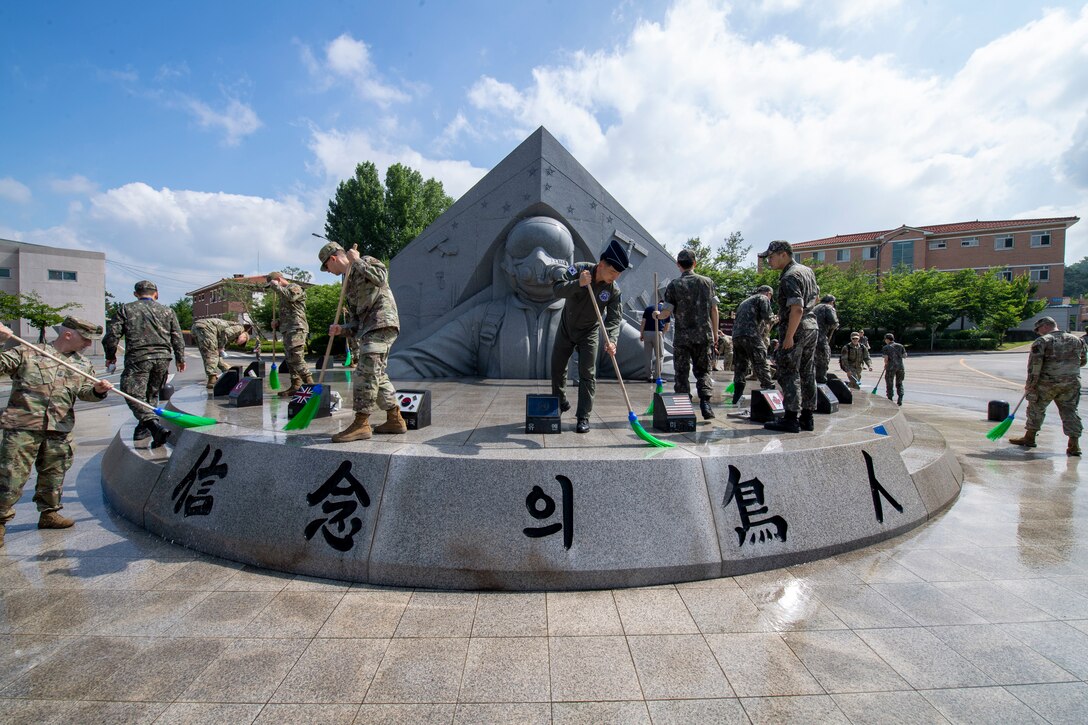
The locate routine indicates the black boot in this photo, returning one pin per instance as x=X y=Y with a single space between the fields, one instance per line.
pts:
x=582 y=426
x=141 y=432
x=706 y=410
x=900 y=401
x=805 y=421
x=159 y=433
x=738 y=391
x=786 y=424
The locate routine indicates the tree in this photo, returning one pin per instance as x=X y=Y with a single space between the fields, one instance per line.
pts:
x=112 y=304
x=183 y=308
x=297 y=274
x=1076 y=279
x=732 y=254
x=383 y=220
x=40 y=315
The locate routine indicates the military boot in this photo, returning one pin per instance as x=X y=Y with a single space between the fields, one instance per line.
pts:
x=307 y=378
x=53 y=520
x=738 y=391
x=359 y=430
x=1028 y=441
x=805 y=422
x=158 y=432
x=786 y=424
x=706 y=410
x=141 y=432
x=899 y=402
x=394 y=422
x=211 y=381
x=3 y=528
x=296 y=383
x=1073 y=449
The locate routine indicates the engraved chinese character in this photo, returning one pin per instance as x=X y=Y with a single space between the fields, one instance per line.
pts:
x=878 y=490
x=199 y=503
x=339 y=527
x=541 y=506
x=751 y=504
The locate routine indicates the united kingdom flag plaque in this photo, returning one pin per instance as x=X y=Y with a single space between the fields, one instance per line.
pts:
x=299 y=399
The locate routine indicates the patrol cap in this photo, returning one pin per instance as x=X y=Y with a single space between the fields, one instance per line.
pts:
x=145 y=285
x=776 y=246
x=827 y=298
x=89 y=330
x=763 y=289
x=855 y=336
x=686 y=256
x=273 y=275
x=327 y=251
x=1044 y=321
x=616 y=256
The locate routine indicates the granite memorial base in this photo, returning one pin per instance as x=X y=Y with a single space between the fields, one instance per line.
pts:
x=472 y=501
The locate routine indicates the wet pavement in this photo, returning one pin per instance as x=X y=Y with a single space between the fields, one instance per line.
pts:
x=978 y=616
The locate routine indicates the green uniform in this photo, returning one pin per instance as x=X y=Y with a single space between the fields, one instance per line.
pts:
x=370 y=316
x=752 y=319
x=152 y=337
x=797 y=366
x=212 y=335
x=827 y=321
x=295 y=329
x=37 y=424
x=578 y=330
x=894 y=370
x=852 y=358
x=1054 y=373
x=691 y=300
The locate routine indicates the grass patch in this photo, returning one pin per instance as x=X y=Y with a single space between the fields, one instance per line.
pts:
x=1014 y=345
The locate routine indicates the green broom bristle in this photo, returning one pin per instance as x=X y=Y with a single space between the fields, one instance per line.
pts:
x=999 y=430
x=730 y=388
x=641 y=433
x=274 y=378
x=184 y=420
x=659 y=391
x=304 y=417
x=347 y=360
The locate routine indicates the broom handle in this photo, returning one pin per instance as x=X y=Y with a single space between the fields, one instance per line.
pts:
x=604 y=336
x=275 y=317
x=657 y=330
x=1022 y=397
x=335 y=320
x=77 y=371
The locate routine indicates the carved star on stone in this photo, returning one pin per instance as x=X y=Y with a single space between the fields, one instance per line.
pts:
x=547 y=187
x=525 y=197
x=609 y=218
x=549 y=171
x=506 y=206
x=483 y=204
x=570 y=209
x=454 y=225
x=532 y=171
x=592 y=205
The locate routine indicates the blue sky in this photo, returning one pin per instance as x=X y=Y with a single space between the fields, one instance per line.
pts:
x=184 y=140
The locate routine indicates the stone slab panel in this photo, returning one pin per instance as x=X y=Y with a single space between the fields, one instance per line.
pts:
x=129 y=477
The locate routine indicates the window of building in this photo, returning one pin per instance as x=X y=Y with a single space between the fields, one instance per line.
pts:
x=903 y=255
x=817 y=256
x=868 y=252
x=1006 y=274
x=1041 y=239
x=5 y=272
x=939 y=244
x=842 y=255
x=969 y=242
x=60 y=275
x=1040 y=274
x=1004 y=242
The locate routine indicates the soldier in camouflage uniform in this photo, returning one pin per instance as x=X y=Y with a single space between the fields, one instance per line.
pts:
x=894 y=370
x=692 y=297
x=578 y=327
x=1053 y=374
x=291 y=321
x=211 y=335
x=795 y=358
x=827 y=321
x=749 y=347
x=370 y=315
x=38 y=421
x=852 y=358
x=152 y=337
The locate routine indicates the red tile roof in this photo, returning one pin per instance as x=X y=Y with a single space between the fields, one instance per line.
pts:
x=954 y=228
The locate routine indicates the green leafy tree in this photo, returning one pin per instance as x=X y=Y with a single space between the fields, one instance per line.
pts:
x=112 y=304
x=382 y=220
x=40 y=315
x=297 y=274
x=9 y=307
x=1076 y=279
x=183 y=308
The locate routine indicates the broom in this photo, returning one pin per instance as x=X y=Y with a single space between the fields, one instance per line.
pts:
x=274 y=374
x=658 y=350
x=998 y=431
x=635 y=425
x=304 y=417
x=182 y=420
x=878 y=380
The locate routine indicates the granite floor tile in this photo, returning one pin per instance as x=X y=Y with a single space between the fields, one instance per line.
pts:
x=927 y=605
x=21 y=653
x=1077 y=584
x=1060 y=643
x=653 y=611
x=992 y=602
x=761 y=664
x=507 y=713
x=862 y=607
x=841 y=662
x=75 y=669
x=153 y=614
x=255 y=579
x=990 y=705
x=303 y=583
x=161 y=671
x=38 y=712
x=201 y=713
x=678 y=666
x=1005 y=659
x=20 y=606
x=922 y=659
x=279 y=714
x=726 y=582
x=792 y=605
x=684 y=712
x=888 y=708
x=717 y=611
x=600 y=713
x=510 y=614
x=438 y=614
x=506 y=669
x=200 y=575
x=366 y=614
x=933 y=566
x=221 y=614
x=82 y=612
x=582 y=613
x=332 y=671
x=793 y=709
x=591 y=669
x=1060 y=704
x=1049 y=596
x=293 y=614
x=874 y=567
x=824 y=571
x=249 y=670
x=420 y=671
x=129 y=713
x=143 y=574
x=426 y=714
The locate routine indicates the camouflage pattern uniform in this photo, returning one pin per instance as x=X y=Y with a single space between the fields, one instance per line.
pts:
x=1054 y=370
x=691 y=299
x=38 y=425
x=852 y=358
x=293 y=326
x=370 y=316
x=796 y=366
x=894 y=371
x=152 y=337
x=578 y=330
x=827 y=321
x=212 y=335
x=749 y=345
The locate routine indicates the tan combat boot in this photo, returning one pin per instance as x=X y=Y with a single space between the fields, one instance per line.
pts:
x=53 y=520
x=3 y=528
x=308 y=378
x=1073 y=449
x=296 y=383
x=359 y=430
x=394 y=422
x=211 y=381
x=1028 y=441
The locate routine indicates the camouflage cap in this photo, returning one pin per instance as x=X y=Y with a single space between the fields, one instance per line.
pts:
x=145 y=285
x=855 y=335
x=273 y=275
x=87 y=329
x=827 y=299
x=776 y=246
x=1044 y=321
x=327 y=251
x=764 y=289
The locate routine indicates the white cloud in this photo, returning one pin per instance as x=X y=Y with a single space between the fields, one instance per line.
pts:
x=348 y=60
x=75 y=185
x=841 y=14
x=15 y=191
x=237 y=120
